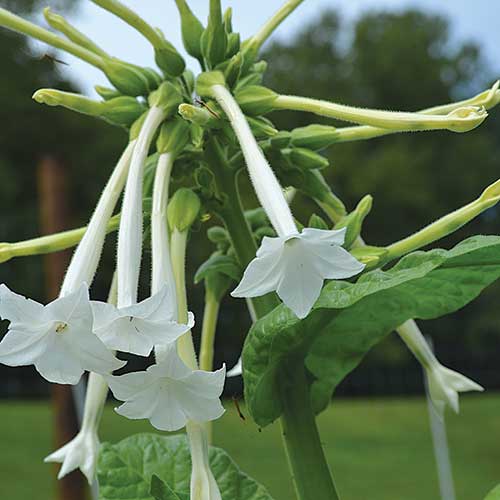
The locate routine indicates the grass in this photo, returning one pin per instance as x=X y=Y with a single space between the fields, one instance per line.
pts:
x=379 y=449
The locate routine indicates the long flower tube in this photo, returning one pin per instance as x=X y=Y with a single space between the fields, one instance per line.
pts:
x=293 y=264
x=136 y=327
x=58 y=338
x=82 y=451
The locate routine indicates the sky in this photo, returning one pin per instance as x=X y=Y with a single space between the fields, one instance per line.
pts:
x=470 y=19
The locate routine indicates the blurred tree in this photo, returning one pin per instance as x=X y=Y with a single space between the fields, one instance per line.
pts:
x=401 y=61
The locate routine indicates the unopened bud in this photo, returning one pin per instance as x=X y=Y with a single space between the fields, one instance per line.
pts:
x=304 y=158
x=214 y=38
x=255 y=100
x=107 y=93
x=200 y=116
x=354 y=221
x=370 y=256
x=281 y=140
x=167 y=97
x=316 y=222
x=466 y=118
x=173 y=136
x=127 y=78
x=491 y=193
x=315 y=137
x=207 y=80
x=233 y=69
x=261 y=127
x=191 y=28
x=233 y=44
x=168 y=59
x=183 y=210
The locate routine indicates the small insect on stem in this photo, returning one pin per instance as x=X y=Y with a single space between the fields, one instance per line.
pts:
x=53 y=59
x=238 y=409
x=203 y=104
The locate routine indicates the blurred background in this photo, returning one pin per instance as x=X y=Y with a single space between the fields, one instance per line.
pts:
x=392 y=54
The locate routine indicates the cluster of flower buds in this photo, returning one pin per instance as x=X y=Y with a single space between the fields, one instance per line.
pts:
x=208 y=128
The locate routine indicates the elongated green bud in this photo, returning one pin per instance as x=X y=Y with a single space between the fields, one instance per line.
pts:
x=107 y=93
x=315 y=137
x=370 y=256
x=167 y=96
x=207 y=80
x=127 y=78
x=189 y=80
x=122 y=110
x=153 y=77
x=281 y=140
x=261 y=127
x=60 y=24
x=200 y=116
x=173 y=136
x=183 y=210
x=233 y=44
x=233 y=69
x=214 y=38
x=305 y=158
x=228 y=20
x=354 y=221
x=191 y=29
x=167 y=58
x=316 y=222
x=255 y=100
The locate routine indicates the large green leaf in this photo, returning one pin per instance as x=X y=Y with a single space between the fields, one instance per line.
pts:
x=349 y=318
x=126 y=469
x=494 y=494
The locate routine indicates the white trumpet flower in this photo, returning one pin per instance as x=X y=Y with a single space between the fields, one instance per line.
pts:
x=82 y=451
x=56 y=338
x=169 y=394
x=444 y=384
x=293 y=264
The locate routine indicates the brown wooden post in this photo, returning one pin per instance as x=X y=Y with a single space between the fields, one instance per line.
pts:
x=52 y=191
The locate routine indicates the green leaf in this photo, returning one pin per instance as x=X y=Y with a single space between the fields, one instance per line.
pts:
x=126 y=469
x=494 y=494
x=215 y=264
x=350 y=318
x=162 y=491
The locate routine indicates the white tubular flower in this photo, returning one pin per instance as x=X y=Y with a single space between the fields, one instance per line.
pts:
x=293 y=264
x=56 y=338
x=139 y=327
x=169 y=394
x=82 y=451
x=236 y=370
x=444 y=384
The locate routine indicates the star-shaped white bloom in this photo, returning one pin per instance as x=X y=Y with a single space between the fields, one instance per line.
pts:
x=56 y=338
x=295 y=266
x=81 y=453
x=169 y=393
x=139 y=327
x=445 y=384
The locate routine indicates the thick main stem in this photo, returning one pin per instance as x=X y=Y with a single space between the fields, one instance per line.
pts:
x=298 y=418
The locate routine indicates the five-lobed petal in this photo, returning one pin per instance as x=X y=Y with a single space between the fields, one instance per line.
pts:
x=56 y=338
x=169 y=393
x=139 y=327
x=295 y=266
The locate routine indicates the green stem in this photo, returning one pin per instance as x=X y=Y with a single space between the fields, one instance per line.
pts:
x=210 y=316
x=460 y=120
x=300 y=434
x=311 y=474
x=132 y=19
x=16 y=23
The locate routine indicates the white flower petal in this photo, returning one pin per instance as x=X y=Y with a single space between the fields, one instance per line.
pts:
x=18 y=309
x=142 y=405
x=125 y=387
x=170 y=365
x=168 y=415
x=331 y=236
x=103 y=314
x=236 y=370
x=22 y=347
x=73 y=307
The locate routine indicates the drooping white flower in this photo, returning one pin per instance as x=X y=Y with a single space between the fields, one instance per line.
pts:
x=236 y=370
x=56 y=338
x=139 y=327
x=169 y=394
x=82 y=451
x=293 y=264
x=444 y=384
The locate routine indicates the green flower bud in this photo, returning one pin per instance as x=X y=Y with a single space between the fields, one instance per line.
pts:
x=248 y=80
x=264 y=231
x=256 y=218
x=168 y=59
x=371 y=256
x=228 y=20
x=205 y=180
x=317 y=222
x=281 y=140
x=259 y=67
x=354 y=221
x=217 y=234
x=261 y=127
x=173 y=136
x=207 y=80
x=167 y=97
x=135 y=129
x=233 y=44
x=233 y=69
x=214 y=38
x=191 y=28
x=183 y=210
x=189 y=79
x=127 y=78
x=314 y=137
x=153 y=78
x=107 y=93
x=197 y=134
x=255 y=100
x=122 y=110
x=304 y=158
x=60 y=24
x=200 y=116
